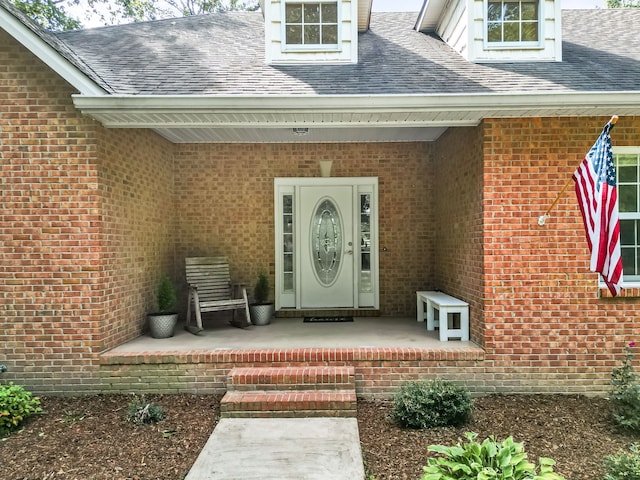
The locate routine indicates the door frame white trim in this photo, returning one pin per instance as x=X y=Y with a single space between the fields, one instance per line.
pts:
x=291 y=185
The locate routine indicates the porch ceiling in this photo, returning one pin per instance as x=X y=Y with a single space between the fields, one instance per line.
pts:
x=312 y=135
x=271 y=119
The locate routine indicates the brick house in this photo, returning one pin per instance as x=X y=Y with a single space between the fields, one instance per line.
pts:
x=126 y=149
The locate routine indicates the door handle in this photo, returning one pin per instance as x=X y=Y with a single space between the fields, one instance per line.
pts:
x=349 y=252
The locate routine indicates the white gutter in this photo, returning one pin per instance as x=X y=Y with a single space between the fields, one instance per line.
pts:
x=48 y=55
x=492 y=105
x=465 y=101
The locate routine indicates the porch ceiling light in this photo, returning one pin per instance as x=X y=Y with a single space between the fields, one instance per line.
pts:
x=300 y=131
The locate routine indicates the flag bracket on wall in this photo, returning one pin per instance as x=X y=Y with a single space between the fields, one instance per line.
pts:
x=543 y=218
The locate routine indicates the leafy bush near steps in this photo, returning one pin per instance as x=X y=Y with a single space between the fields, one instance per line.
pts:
x=489 y=460
x=140 y=412
x=625 y=466
x=433 y=403
x=16 y=405
x=625 y=394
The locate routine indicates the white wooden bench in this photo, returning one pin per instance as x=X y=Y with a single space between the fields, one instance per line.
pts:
x=446 y=305
x=211 y=290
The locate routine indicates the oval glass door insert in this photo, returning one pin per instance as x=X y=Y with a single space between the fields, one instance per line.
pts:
x=326 y=241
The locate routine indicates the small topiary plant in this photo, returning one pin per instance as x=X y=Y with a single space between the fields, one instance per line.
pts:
x=261 y=290
x=140 y=412
x=625 y=395
x=166 y=295
x=434 y=403
x=489 y=460
x=625 y=466
x=16 y=405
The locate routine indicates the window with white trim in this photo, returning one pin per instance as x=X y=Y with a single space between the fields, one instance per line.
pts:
x=513 y=21
x=311 y=23
x=627 y=162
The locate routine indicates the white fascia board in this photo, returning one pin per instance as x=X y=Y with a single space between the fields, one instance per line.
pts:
x=383 y=111
x=48 y=55
x=515 y=101
x=364 y=15
x=430 y=15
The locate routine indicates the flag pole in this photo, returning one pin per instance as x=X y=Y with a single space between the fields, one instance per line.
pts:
x=543 y=218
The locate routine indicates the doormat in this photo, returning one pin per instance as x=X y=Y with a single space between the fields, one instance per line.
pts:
x=327 y=319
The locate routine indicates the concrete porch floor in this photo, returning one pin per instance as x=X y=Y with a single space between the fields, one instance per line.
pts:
x=293 y=333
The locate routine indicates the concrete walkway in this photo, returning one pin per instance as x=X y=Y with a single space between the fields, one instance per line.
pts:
x=281 y=448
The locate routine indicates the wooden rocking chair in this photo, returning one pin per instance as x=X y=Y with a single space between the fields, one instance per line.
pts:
x=211 y=290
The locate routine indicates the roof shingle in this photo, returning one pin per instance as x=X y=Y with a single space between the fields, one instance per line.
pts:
x=223 y=54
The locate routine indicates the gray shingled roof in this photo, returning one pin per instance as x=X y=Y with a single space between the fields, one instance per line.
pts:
x=223 y=54
x=54 y=42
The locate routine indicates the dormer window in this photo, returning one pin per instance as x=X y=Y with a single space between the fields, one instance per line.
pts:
x=311 y=31
x=312 y=24
x=513 y=21
x=497 y=30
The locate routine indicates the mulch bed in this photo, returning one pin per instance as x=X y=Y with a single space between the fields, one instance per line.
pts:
x=90 y=438
x=576 y=431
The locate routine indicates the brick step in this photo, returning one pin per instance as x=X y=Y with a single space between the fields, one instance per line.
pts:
x=280 y=404
x=291 y=378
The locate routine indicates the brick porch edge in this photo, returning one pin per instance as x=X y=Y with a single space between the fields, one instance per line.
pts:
x=379 y=371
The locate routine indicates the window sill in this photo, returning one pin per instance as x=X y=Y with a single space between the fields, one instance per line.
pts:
x=311 y=48
x=631 y=291
x=512 y=46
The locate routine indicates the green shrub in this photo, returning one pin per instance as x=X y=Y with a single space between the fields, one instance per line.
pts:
x=166 y=295
x=140 y=412
x=261 y=289
x=625 y=396
x=625 y=466
x=16 y=405
x=434 y=403
x=489 y=460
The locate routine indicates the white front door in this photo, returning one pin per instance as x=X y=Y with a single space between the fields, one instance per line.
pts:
x=326 y=236
x=326 y=247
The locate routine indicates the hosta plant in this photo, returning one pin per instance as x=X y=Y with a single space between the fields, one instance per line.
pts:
x=624 y=466
x=489 y=460
x=16 y=405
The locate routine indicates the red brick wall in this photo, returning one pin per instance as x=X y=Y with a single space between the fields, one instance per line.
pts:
x=225 y=203
x=458 y=222
x=137 y=205
x=49 y=226
x=84 y=234
x=546 y=327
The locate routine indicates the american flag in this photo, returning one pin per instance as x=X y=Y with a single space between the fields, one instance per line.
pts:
x=597 y=194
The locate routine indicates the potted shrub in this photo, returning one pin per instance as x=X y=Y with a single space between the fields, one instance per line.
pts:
x=261 y=309
x=163 y=323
